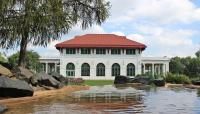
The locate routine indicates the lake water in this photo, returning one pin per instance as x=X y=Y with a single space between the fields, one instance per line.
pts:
x=123 y=99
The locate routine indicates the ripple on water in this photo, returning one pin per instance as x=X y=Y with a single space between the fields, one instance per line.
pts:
x=118 y=100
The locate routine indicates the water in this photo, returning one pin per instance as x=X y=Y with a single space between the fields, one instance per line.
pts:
x=124 y=99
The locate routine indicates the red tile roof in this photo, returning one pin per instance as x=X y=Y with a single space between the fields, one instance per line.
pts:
x=100 y=41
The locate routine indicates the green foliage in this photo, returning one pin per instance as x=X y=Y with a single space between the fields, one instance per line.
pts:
x=175 y=65
x=32 y=60
x=3 y=59
x=197 y=53
x=158 y=76
x=46 y=20
x=39 y=22
x=188 y=66
x=177 y=79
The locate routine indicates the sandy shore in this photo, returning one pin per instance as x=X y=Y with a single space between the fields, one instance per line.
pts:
x=191 y=86
x=42 y=94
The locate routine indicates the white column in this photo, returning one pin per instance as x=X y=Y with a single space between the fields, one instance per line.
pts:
x=163 y=68
x=152 y=70
x=144 y=70
x=167 y=67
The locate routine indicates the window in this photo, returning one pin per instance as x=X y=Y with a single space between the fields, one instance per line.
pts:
x=85 y=69
x=116 y=51
x=130 y=51
x=70 y=51
x=85 y=51
x=100 y=70
x=115 y=69
x=130 y=69
x=70 y=69
x=100 y=51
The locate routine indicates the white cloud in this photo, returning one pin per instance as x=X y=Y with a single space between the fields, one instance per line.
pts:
x=136 y=37
x=50 y=50
x=167 y=42
x=118 y=33
x=159 y=11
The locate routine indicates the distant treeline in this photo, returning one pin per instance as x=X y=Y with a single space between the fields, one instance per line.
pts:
x=189 y=66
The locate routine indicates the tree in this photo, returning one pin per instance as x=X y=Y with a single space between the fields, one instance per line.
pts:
x=39 y=22
x=175 y=65
x=194 y=67
x=32 y=60
x=197 y=53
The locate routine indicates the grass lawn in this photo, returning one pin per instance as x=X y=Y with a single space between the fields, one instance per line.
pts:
x=98 y=82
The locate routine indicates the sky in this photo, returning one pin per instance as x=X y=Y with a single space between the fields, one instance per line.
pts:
x=168 y=27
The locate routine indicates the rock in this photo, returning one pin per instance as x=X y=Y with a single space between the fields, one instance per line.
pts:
x=3 y=109
x=7 y=65
x=141 y=79
x=4 y=71
x=196 y=82
x=14 y=88
x=34 y=80
x=159 y=82
x=23 y=74
x=59 y=77
x=48 y=80
x=121 y=79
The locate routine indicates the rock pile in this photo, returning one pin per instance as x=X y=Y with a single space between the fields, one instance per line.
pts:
x=25 y=82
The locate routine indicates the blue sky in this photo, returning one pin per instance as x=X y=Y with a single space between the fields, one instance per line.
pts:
x=168 y=27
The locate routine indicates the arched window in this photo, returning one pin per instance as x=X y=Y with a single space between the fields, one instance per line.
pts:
x=70 y=69
x=85 y=69
x=130 y=69
x=115 y=69
x=100 y=70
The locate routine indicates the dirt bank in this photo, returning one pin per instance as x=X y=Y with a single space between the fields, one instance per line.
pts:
x=42 y=94
x=191 y=86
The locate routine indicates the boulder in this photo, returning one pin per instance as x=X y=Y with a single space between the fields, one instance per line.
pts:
x=3 y=109
x=23 y=74
x=47 y=80
x=141 y=79
x=196 y=82
x=5 y=64
x=14 y=88
x=159 y=82
x=34 y=80
x=59 y=77
x=121 y=79
x=4 y=71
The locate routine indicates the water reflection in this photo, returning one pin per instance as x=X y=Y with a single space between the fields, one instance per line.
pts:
x=108 y=94
x=118 y=99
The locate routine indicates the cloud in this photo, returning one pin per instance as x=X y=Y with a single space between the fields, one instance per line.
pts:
x=118 y=33
x=158 y=11
x=50 y=50
x=137 y=37
x=166 y=42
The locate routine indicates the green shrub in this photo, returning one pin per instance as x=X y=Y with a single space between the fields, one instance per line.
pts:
x=177 y=79
x=157 y=76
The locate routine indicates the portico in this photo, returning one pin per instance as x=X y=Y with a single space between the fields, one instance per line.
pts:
x=155 y=65
x=50 y=64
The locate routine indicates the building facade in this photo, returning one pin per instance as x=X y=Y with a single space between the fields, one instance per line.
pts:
x=103 y=56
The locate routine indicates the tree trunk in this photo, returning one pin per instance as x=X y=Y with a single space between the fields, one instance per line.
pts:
x=22 y=54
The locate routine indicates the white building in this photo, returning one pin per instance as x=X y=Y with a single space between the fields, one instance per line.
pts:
x=103 y=56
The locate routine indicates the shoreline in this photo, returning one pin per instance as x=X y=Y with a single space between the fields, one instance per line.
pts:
x=190 y=86
x=42 y=94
